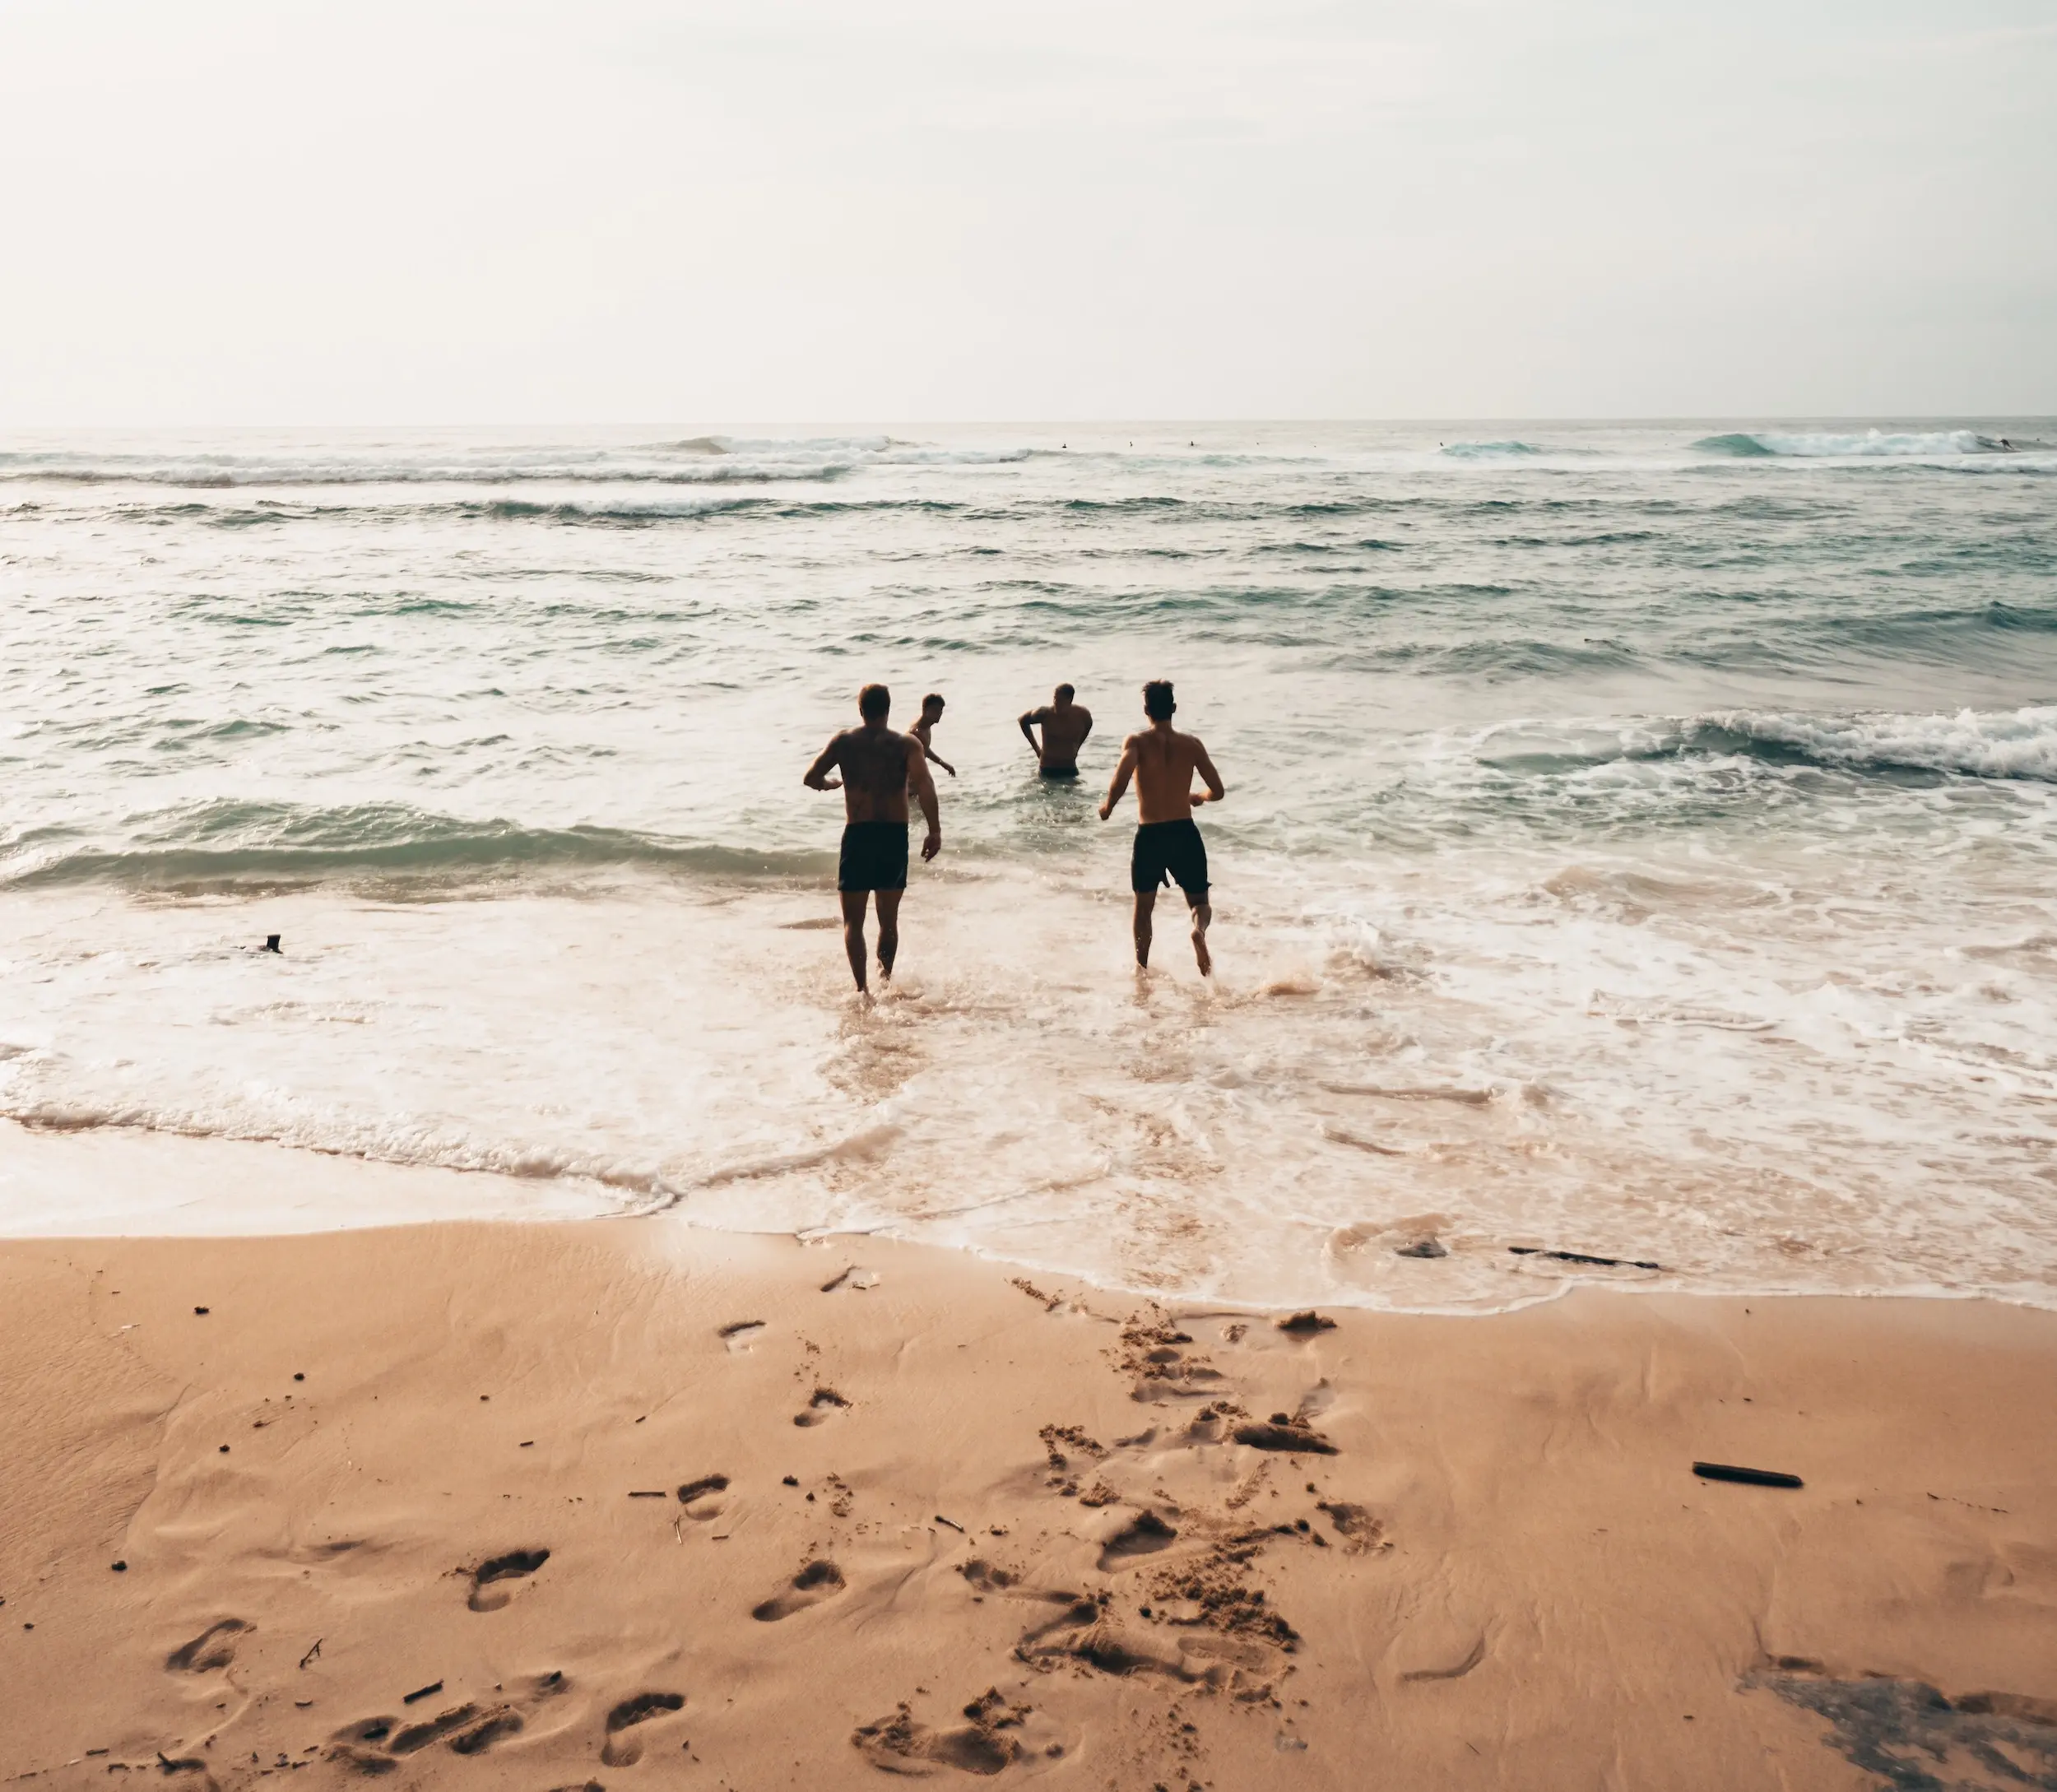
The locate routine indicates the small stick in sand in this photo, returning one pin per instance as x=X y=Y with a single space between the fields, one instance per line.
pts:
x=1723 y=1471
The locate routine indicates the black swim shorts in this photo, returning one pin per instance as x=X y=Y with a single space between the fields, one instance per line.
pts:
x=1058 y=771
x=874 y=856
x=1165 y=850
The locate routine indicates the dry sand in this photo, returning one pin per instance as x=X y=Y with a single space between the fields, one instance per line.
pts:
x=540 y=1514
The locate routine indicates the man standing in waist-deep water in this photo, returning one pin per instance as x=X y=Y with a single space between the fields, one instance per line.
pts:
x=1167 y=842
x=879 y=768
x=1065 y=727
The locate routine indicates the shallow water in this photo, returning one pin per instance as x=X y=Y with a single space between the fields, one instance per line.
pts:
x=1639 y=840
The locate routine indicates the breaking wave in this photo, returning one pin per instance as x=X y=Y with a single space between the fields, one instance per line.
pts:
x=226 y=847
x=2008 y=744
x=2018 y=745
x=1869 y=443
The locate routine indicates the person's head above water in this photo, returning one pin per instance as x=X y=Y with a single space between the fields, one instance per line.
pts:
x=932 y=706
x=1064 y=693
x=873 y=703
x=1157 y=700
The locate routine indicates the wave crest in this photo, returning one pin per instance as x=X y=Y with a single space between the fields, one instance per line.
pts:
x=2010 y=744
x=1755 y=444
x=242 y=848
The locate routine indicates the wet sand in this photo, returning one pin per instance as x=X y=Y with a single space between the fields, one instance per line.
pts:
x=626 y=1504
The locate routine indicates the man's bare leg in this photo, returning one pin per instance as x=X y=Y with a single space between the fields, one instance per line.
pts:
x=1203 y=913
x=853 y=900
x=1145 y=901
x=888 y=932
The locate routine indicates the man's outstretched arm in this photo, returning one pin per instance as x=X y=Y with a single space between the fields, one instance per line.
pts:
x=1122 y=773
x=924 y=786
x=932 y=753
x=1216 y=790
x=817 y=777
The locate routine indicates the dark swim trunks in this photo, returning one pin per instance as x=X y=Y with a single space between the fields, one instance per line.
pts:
x=1165 y=850
x=874 y=856
x=1058 y=771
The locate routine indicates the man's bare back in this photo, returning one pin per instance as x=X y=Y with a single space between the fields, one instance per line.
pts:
x=1065 y=725
x=879 y=766
x=1165 y=763
x=1168 y=847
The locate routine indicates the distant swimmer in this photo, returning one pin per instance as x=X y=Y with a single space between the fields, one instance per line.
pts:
x=1163 y=762
x=1065 y=725
x=931 y=713
x=879 y=768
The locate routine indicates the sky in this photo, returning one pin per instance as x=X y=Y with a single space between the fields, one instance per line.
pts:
x=625 y=211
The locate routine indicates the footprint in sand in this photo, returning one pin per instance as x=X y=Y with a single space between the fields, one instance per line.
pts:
x=372 y=1745
x=1360 y=1530
x=1288 y=1432
x=517 y=1565
x=900 y=1744
x=1085 y=1633
x=985 y=1577
x=739 y=1333
x=822 y=1405
x=1143 y=1535
x=622 y=1750
x=855 y=1276
x=698 y=1499
x=817 y=1581
x=213 y=1648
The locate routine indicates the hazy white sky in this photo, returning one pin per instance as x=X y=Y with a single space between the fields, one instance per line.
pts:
x=683 y=210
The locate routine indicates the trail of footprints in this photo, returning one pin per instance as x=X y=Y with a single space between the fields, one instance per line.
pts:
x=1198 y=1621
x=1181 y=1606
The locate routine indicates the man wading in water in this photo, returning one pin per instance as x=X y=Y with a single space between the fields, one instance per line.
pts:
x=1167 y=842
x=879 y=768
x=1065 y=727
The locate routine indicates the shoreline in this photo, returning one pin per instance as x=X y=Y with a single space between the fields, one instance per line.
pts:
x=1173 y=1543
x=233 y=1180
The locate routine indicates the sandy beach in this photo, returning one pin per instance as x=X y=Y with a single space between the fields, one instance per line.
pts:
x=624 y=1503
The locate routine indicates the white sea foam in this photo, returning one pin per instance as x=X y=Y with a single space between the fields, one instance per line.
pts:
x=1489 y=451
x=1608 y=1055
x=2020 y=743
x=1830 y=444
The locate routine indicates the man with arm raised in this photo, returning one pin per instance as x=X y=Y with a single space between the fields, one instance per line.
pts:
x=879 y=768
x=1163 y=763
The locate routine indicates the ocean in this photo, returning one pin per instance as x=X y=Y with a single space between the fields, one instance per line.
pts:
x=1640 y=841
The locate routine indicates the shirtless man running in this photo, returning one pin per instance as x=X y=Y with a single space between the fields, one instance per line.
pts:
x=1168 y=843
x=879 y=768
x=1065 y=727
